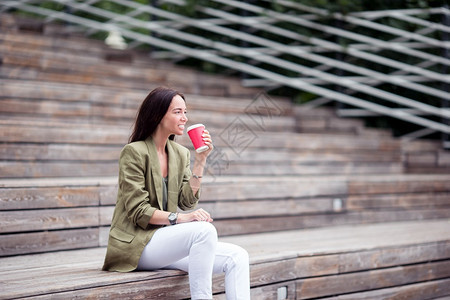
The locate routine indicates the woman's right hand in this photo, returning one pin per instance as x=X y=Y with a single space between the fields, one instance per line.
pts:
x=196 y=215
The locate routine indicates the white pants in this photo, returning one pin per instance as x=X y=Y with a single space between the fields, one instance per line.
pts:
x=193 y=247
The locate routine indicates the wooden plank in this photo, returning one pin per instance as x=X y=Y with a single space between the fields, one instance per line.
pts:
x=46 y=108
x=249 y=187
x=407 y=185
x=64 y=92
x=106 y=96
x=238 y=226
x=226 y=227
x=59 y=152
x=38 y=242
x=46 y=61
x=341 y=239
x=310 y=168
x=75 y=135
x=12 y=151
x=239 y=136
x=304 y=156
x=270 y=292
x=48 y=219
x=72 y=43
x=322 y=267
x=52 y=59
x=64 y=76
x=425 y=290
x=49 y=197
x=42 y=120
x=39 y=57
x=444 y=159
x=104 y=181
x=370 y=280
x=85 y=279
x=64 y=71
x=13 y=34
x=249 y=209
x=421 y=159
x=335 y=125
x=308 y=259
x=42 y=123
x=52 y=260
x=57 y=169
x=77 y=63
x=225 y=86
x=89 y=111
x=393 y=256
x=425 y=200
x=51 y=109
x=165 y=288
x=227 y=138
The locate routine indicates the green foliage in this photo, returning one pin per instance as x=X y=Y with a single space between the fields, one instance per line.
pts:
x=347 y=6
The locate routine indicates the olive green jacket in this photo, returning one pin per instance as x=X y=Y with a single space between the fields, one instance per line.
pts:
x=140 y=195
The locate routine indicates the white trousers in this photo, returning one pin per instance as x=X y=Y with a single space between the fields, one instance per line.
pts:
x=193 y=247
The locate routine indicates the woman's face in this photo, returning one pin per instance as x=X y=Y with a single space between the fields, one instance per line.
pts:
x=175 y=118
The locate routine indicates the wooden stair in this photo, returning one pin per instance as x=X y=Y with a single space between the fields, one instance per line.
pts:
x=355 y=262
x=327 y=207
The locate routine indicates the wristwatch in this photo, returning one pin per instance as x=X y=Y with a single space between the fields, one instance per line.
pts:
x=173 y=218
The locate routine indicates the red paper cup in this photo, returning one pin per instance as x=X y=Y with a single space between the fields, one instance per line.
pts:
x=195 y=134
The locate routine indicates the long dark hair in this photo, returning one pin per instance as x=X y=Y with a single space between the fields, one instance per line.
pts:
x=151 y=112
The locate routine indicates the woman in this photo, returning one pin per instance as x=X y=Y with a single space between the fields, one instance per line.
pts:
x=155 y=179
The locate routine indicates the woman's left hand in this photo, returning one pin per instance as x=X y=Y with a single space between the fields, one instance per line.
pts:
x=200 y=162
x=208 y=141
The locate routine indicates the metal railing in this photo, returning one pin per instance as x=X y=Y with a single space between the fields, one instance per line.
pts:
x=281 y=50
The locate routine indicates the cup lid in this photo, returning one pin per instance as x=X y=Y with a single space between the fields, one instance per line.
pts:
x=194 y=126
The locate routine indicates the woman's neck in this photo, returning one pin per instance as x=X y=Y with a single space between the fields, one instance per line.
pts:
x=160 y=141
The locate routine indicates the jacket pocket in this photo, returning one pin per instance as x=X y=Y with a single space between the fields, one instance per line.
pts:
x=121 y=235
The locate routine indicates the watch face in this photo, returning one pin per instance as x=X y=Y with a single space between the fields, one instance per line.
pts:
x=172 y=218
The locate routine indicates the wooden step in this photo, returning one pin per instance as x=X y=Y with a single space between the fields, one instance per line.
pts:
x=75 y=45
x=425 y=156
x=30 y=169
x=235 y=136
x=93 y=68
x=436 y=289
x=276 y=168
x=325 y=120
x=66 y=213
x=222 y=156
x=53 y=93
x=158 y=73
x=50 y=160
x=36 y=149
x=350 y=259
x=219 y=115
x=64 y=76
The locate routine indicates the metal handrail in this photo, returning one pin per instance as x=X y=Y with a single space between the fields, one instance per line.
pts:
x=331 y=62
x=218 y=53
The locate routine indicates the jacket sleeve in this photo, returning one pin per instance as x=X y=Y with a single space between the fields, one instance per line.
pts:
x=187 y=200
x=132 y=186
